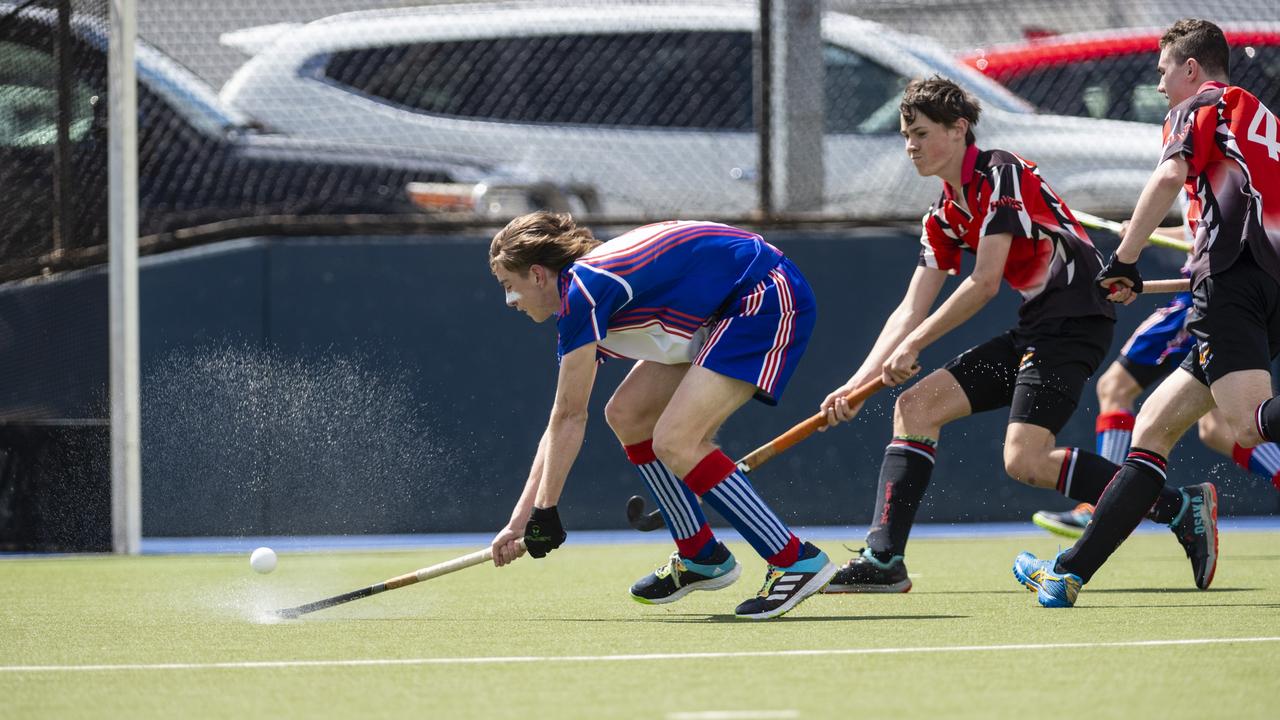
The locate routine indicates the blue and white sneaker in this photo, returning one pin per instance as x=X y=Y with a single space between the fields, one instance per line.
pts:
x=786 y=587
x=681 y=576
x=1052 y=589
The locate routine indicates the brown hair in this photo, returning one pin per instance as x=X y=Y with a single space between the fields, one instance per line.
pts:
x=552 y=240
x=942 y=101
x=1200 y=39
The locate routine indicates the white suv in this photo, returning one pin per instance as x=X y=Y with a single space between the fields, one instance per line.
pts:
x=651 y=106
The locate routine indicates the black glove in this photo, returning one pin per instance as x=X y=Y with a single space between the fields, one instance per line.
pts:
x=1117 y=269
x=543 y=533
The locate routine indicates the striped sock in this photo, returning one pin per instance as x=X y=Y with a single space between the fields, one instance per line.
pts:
x=679 y=506
x=719 y=482
x=1263 y=460
x=1115 y=432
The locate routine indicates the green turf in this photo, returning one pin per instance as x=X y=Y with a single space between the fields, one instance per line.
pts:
x=66 y=612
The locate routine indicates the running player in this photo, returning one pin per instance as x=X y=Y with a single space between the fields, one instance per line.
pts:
x=1154 y=350
x=995 y=205
x=715 y=315
x=1222 y=145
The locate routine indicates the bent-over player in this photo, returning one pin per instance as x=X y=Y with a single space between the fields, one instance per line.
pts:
x=715 y=315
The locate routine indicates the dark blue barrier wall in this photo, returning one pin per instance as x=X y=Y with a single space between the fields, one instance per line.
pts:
x=381 y=385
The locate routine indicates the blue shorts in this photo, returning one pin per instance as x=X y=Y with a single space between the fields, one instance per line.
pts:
x=1160 y=342
x=760 y=338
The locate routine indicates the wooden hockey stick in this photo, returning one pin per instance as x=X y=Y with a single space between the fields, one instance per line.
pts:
x=649 y=521
x=427 y=573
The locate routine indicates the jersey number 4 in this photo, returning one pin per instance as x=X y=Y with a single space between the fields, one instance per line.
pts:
x=1267 y=137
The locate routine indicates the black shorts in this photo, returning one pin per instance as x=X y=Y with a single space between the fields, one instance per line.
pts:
x=1037 y=372
x=1235 y=318
x=1148 y=375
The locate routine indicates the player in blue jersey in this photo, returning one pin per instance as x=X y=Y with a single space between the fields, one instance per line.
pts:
x=714 y=315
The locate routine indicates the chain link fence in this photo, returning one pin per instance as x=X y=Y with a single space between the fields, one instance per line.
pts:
x=439 y=113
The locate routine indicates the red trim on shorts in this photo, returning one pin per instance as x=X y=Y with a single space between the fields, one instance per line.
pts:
x=788 y=555
x=640 y=453
x=710 y=472
x=1115 y=420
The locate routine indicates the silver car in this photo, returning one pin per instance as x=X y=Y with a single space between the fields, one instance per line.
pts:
x=652 y=107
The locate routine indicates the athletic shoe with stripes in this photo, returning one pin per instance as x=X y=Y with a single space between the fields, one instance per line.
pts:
x=865 y=574
x=681 y=576
x=1196 y=527
x=1053 y=589
x=786 y=587
x=1068 y=524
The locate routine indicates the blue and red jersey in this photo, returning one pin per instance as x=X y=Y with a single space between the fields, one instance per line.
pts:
x=645 y=294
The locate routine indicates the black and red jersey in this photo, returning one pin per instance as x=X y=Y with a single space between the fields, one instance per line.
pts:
x=1052 y=262
x=1231 y=143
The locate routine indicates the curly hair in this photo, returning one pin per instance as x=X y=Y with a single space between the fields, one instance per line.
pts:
x=1200 y=39
x=552 y=240
x=942 y=101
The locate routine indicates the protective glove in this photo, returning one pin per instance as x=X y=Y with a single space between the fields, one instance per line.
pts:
x=543 y=533
x=1117 y=269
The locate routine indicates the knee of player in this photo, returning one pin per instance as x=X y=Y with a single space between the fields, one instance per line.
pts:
x=621 y=416
x=1115 y=389
x=912 y=405
x=1022 y=464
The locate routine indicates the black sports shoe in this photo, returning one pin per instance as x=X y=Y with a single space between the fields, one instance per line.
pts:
x=1196 y=528
x=681 y=576
x=865 y=574
x=786 y=587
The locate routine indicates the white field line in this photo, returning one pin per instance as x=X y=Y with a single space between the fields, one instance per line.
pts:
x=735 y=715
x=541 y=659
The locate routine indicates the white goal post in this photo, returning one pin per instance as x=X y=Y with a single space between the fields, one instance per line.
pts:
x=126 y=427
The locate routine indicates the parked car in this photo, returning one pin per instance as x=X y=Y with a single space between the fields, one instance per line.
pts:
x=198 y=161
x=651 y=106
x=1112 y=74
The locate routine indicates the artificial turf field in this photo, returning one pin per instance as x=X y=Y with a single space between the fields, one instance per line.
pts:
x=185 y=636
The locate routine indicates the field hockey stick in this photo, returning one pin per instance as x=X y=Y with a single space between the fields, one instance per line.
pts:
x=649 y=521
x=1098 y=223
x=427 y=573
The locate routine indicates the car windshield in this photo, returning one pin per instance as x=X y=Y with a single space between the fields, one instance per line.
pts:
x=184 y=90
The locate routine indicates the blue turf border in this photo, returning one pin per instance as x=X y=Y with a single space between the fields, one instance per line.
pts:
x=851 y=534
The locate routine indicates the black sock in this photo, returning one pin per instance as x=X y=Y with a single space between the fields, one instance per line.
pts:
x=1167 y=506
x=904 y=475
x=1267 y=417
x=1122 y=506
x=1085 y=475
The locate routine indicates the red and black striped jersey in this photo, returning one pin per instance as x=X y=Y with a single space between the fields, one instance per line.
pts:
x=1052 y=262
x=1231 y=143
